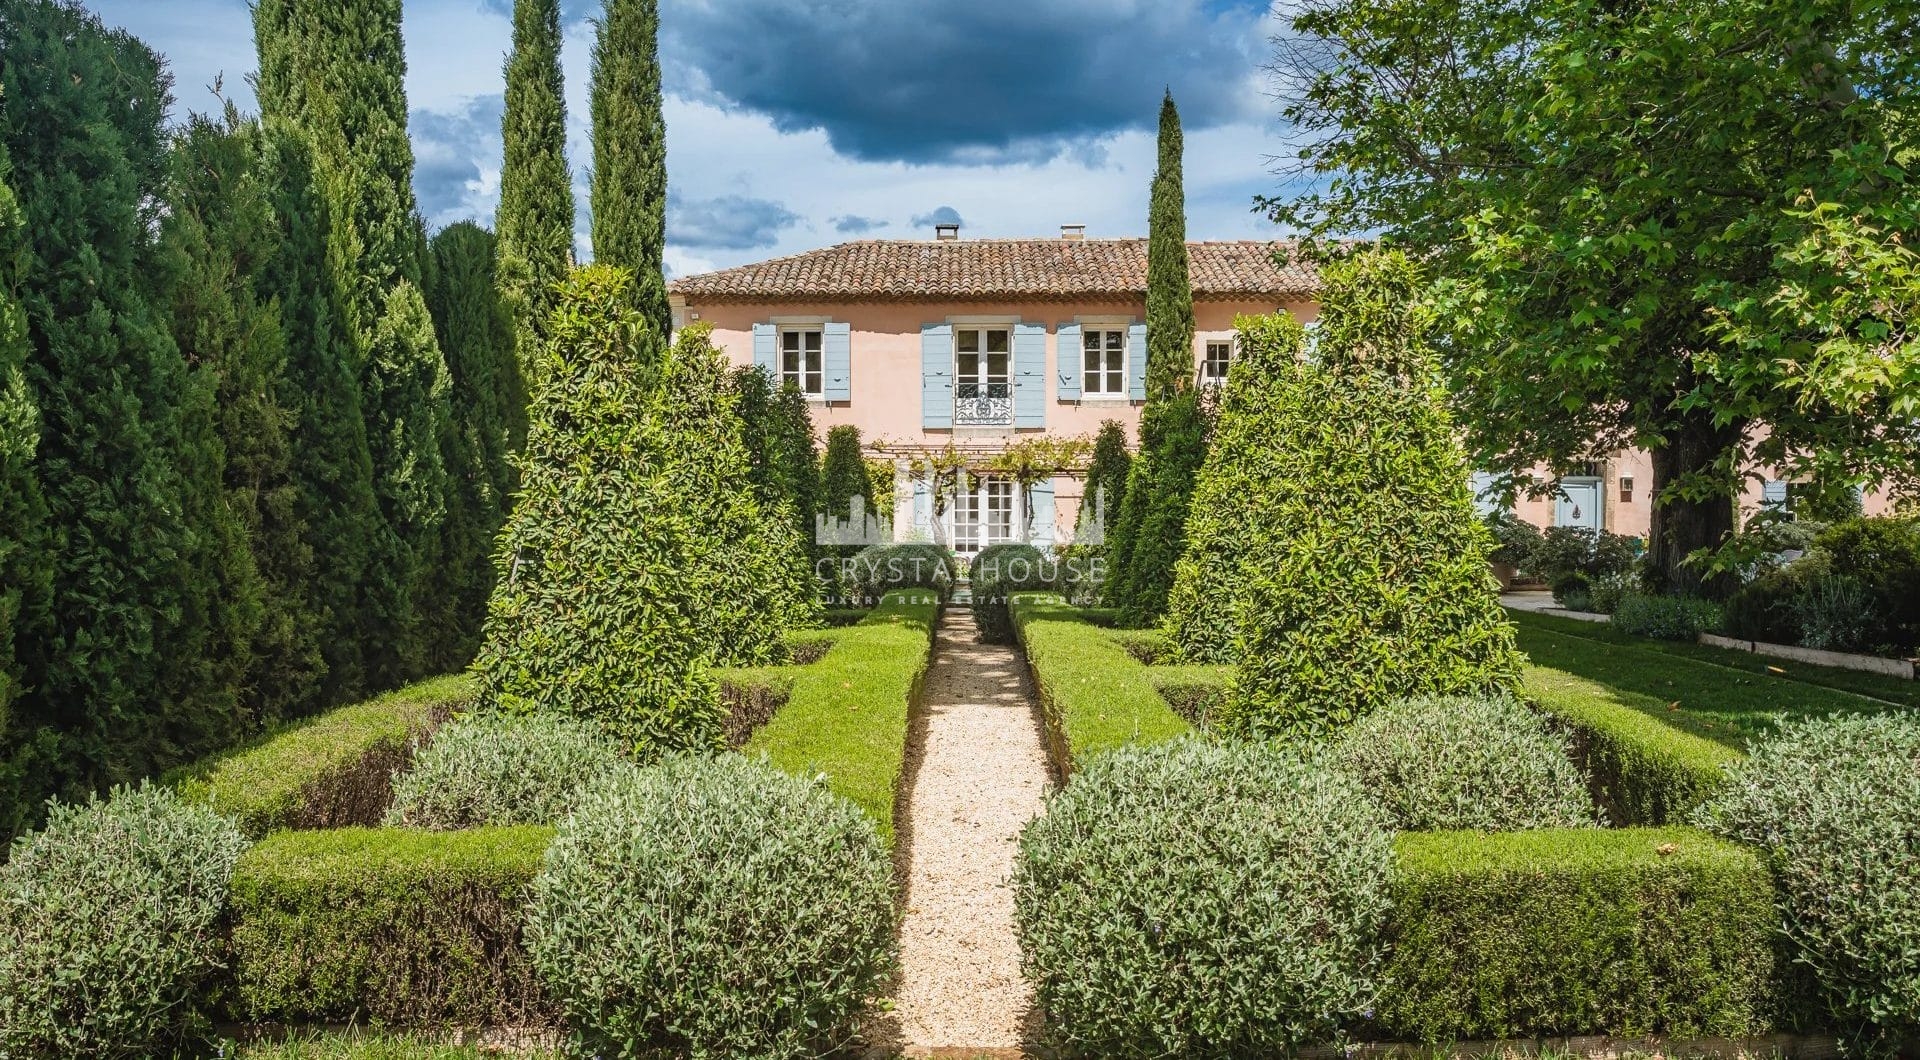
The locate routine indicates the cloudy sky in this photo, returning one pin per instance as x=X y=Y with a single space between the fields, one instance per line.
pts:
x=794 y=124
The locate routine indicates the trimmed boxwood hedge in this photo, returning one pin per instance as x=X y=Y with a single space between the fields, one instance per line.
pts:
x=1624 y=932
x=1641 y=770
x=1094 y=695
x=751 y=695
x=1151 y=646
x=846 y=715
x=387 y=926
x=1194 y=692
x=331 y=771
x=996 y=574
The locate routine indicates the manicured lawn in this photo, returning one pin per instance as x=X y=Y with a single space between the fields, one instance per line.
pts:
x=1877 y=686
x=1725 y=696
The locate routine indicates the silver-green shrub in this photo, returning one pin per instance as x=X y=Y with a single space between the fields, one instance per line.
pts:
x=1835 y=803
x=1191 y=898
x=712 y=907
x=502 y=769
x=109 y=921
x=1451 y=762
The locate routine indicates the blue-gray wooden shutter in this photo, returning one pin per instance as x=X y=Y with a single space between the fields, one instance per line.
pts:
x=1029 y=375
x=922 y=508
x=1773 y=493
x=1137 y=362
x=836 y=339
x=936 y=375
x=1067 y=360
x=766 y=350
x=1041 y=497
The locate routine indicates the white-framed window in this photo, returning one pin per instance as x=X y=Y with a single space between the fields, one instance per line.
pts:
x=801 y=359
x=982 y=375
x=1104 y=362
x=1216 y=363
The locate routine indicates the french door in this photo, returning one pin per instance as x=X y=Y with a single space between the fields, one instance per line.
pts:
x=983 y=514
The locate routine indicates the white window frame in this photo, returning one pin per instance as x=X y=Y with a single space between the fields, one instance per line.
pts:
x=1090 y=325
x=817 y=372
x=983 y=374
x=1206 y=361
x=1093 y=381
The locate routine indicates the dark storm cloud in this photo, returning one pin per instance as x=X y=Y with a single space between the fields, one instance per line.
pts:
x=987 y=82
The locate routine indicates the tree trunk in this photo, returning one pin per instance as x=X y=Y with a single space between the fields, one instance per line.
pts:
x=1682 y=526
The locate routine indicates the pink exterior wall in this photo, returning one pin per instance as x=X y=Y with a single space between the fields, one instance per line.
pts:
x=885 y=390
x=885 y=383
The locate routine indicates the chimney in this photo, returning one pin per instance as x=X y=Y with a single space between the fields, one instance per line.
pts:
x=1073 y=233
x=946 y=233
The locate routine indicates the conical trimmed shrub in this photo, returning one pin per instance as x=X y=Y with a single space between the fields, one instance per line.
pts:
x=1199 y=607
x=637 y=557
x=1344 y=557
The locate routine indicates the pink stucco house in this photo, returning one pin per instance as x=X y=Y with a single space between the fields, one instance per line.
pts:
x=972 y=343
x=975 y=342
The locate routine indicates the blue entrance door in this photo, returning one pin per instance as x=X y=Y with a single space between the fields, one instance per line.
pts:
x=1580 y=504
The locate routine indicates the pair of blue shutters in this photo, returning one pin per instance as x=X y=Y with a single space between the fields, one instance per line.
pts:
x=1029 y=371
x=836 y=357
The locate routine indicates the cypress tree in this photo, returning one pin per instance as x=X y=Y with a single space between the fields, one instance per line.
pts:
x=25 y=565
x=630 y=153
x=475 y=331
x=217 y=239
x=1106 y=482
x=535 y=221
x=777 y=428
x=337 y=72
x=843 y=474
x=1169 y=287
x=1149 y=536
x=1174 y=443
x=138 y=663
x=331 y=462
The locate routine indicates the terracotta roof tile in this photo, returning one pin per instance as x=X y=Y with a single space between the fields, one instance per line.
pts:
x=977 y=269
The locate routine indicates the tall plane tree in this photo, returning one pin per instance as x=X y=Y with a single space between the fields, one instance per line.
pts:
x=1645 y=212
x=630 y=153
x=535 y=221
x=337 y=72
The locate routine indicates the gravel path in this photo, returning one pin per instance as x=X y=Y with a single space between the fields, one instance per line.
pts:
x=978 y=775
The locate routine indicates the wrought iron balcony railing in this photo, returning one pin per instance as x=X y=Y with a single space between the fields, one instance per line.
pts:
x=983 y=404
